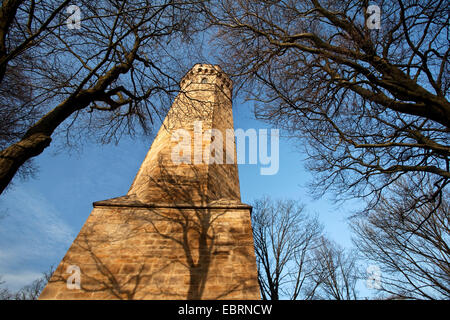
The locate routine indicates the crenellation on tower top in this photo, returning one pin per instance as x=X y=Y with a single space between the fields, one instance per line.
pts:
x=213 y=74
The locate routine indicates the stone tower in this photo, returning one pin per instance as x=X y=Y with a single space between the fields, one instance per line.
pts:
x=181 y=231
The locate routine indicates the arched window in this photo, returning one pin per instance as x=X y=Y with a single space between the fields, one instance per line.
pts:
x=204 y=80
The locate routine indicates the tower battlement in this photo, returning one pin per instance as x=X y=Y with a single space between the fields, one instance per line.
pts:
x=207 y=74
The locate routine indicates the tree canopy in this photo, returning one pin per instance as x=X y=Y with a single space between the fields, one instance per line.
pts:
x=370 y=104
x=106 y=78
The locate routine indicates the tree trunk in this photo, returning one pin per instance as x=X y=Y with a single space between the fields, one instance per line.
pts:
x=15 y=155
x=8 y=11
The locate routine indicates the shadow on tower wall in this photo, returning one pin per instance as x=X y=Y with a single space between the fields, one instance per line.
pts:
x=186 y=245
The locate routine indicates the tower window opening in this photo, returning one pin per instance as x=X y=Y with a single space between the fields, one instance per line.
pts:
x=204 y=80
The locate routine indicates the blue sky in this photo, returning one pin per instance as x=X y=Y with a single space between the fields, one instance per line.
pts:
x=42 y=216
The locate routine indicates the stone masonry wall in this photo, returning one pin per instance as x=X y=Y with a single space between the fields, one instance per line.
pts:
x=161 y=253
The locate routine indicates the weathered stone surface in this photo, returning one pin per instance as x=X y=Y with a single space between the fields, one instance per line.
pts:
x=181 y=232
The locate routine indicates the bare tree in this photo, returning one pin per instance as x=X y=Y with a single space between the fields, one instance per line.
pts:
x=5 y=294
x=410 y=248
x=285 y=238
x=337 y=272
x=30 y=291
x=110 y=77
x=372 y=104
x=34 y=289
